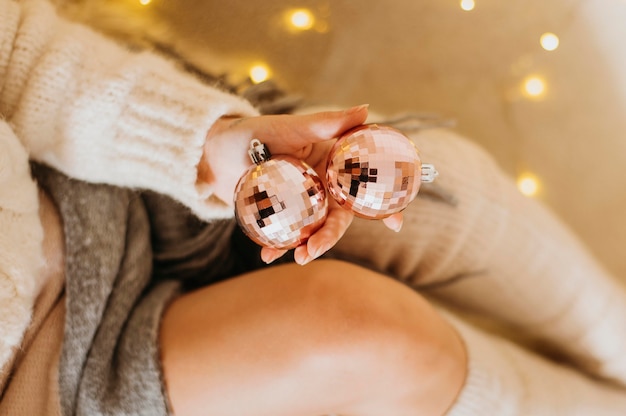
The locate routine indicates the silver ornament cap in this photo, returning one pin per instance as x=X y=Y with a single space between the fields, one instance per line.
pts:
x=258 y=152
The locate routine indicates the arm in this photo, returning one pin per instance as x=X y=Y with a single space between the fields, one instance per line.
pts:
x=97 y=112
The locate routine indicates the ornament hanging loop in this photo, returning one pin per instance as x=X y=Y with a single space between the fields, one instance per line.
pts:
x=258 y=152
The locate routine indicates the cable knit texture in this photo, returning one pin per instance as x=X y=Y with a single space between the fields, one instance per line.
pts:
x=506 y=380
x=99 y=113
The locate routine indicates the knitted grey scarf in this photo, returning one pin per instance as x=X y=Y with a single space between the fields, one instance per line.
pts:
x=126 y=253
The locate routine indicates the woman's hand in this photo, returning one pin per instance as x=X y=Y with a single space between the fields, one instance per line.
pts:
x=306 y=137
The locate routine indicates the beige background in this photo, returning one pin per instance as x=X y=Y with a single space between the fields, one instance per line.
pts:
x=429 y=55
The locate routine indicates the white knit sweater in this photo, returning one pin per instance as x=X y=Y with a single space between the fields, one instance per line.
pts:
x=91 y=109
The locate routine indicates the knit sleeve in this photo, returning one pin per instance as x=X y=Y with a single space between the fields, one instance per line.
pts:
x=98 y=112
x=506 y=380
x=21 y=237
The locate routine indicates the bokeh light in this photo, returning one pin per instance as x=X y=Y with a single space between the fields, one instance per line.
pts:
x=549 y=41
x=528 y=184
x=534 y=86
x=259 y=73
x=301 y=19
x=468 y=5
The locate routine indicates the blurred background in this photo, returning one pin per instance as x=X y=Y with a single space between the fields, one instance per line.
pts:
x=541 y=85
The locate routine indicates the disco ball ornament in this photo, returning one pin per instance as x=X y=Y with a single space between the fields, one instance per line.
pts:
x=279 y=202
x=375 y=171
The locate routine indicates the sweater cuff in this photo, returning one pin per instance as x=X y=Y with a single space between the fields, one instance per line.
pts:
x=506 y=380
x=492 y=386
x=90 y=108
x=161 y=132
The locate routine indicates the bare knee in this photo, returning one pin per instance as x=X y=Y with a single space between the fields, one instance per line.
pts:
x=347 y=339
x=380 y=340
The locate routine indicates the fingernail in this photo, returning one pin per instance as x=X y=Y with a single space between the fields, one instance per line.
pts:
x=305 y=260
x=321 y=250
x=356 y=109
x=270 y=259
x=398 y=226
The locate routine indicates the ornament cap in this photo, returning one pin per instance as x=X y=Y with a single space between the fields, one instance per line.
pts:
x=429 y=173
x=258 y=152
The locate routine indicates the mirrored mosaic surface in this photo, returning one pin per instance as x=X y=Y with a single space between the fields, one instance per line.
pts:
x=374 y=170
x=280 y=202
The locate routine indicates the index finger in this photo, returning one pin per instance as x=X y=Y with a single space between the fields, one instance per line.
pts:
x=326 y=237
x=294 y=134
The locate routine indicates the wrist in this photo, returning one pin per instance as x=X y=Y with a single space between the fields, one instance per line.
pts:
x=223 y=157
x=205 y=173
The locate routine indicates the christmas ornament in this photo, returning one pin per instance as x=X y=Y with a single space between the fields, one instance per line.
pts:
x=375 y=171
x=279 y=202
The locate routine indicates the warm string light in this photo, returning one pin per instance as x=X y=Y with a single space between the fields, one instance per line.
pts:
x=259 y=73
x=534 y=87
x=301 y=19
x=467 y=5
x=528 y=184
x=145 y=2
x=549 y=41
x=296 y=20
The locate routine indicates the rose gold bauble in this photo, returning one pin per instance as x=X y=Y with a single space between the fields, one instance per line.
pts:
x=374 y=171
x=280 y=201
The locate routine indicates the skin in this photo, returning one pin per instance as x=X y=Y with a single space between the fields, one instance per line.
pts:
x=306 y=137
x=327 y=338
x=321 y=339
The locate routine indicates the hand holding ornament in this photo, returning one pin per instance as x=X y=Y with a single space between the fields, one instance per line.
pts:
x=304 y=137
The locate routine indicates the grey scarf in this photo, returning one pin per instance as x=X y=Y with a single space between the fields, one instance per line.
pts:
x=126 y=255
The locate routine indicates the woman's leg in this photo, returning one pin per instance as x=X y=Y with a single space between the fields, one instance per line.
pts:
x=474 y=241
x=327 y=338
